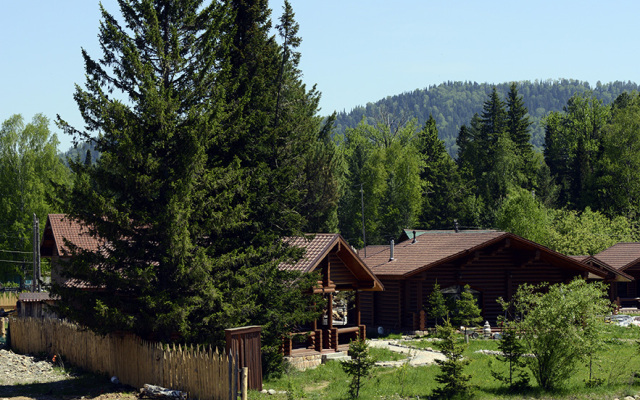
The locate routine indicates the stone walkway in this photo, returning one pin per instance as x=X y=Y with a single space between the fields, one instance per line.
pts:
x=415 y=357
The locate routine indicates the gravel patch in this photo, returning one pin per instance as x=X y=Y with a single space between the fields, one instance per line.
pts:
x=18 y=369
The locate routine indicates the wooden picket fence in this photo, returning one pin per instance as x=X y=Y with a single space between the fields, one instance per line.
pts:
x=8 y=300
x=203 y=373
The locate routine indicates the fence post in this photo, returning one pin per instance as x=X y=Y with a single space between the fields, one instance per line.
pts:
x=245 y=382
x=231 y=372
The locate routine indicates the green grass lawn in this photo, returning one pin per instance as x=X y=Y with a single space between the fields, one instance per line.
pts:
x=615 y=365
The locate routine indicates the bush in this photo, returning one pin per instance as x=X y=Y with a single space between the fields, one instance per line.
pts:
x=562 y=325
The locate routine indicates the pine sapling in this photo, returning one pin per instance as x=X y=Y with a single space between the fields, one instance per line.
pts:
x=512 y=353
x=467 y=311
x=359 y=367
x=455 y=382
x=437 y=304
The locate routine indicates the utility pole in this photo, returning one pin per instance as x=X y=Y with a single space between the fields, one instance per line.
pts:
x=364 y=237
x=35 y=283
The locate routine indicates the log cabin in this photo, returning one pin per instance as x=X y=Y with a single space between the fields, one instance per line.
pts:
x=492 y=263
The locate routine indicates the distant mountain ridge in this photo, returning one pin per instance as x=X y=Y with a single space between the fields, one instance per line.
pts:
x=452 y=104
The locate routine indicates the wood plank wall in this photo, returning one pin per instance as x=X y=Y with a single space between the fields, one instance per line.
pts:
x=340 y=274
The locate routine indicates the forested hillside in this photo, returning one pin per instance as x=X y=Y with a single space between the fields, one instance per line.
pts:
x=452 y=104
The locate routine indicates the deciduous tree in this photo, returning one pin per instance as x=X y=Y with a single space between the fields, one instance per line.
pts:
x=559 y=325
x=29 y=170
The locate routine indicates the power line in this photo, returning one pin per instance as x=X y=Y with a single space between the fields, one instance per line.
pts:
x=17 y=252
x=16 y=262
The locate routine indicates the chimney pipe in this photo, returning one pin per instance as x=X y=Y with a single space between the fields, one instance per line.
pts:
x=391 y=251
x=414 y=237
x=455 y=225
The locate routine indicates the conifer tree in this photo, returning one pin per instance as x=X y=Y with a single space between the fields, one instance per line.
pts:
x=512 y=355
x=518 y=128
x=199 y=176
x=467 y=313
x=437 y=304
x=493 y=124
x=573 y=147
x=359 y=367
x=441 y=182
x=455 y=383
x=518 y=123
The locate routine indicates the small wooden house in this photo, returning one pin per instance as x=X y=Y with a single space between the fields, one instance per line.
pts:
x=36 y=305
x=492 y=263
x=58 y=232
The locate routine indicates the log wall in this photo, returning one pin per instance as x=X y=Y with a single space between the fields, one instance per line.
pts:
x=494 y=272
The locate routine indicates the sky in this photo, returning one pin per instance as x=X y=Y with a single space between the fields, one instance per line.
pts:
x=355 y=51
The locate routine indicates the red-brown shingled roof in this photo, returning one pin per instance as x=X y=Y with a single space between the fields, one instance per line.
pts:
x=434 y=248
x=65 y=228
x=620 y=256
x=315 y=247
x=579 y=258
x=428 y=249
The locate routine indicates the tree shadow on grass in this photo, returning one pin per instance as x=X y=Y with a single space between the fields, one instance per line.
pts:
x=530 y=392
x=86 y=385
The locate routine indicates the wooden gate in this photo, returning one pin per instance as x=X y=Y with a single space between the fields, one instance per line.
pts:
x=244 y=345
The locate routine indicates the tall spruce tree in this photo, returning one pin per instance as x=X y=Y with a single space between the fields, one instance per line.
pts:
x=199 y=176
x=573 y=147
x=441 y=183
x=493 y=124
x=488 y=158
x=518 y=123
x=518 y=128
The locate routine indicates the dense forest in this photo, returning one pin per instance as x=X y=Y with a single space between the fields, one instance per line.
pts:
x=579 y=195
x=452 y=104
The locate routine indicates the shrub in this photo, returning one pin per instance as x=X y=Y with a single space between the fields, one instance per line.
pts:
x=561 y=327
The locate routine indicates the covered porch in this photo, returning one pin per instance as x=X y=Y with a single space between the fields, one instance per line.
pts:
x=344 y=277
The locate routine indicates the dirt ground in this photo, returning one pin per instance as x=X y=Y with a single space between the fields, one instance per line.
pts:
x=87 y=387
x=109 y=396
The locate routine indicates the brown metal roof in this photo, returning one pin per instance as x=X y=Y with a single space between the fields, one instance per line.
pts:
x=620 y=256
x=618 y=274
x=439 y=247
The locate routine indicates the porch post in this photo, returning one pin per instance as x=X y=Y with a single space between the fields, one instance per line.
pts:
x=358 y=323
x=330 y=311
x=315 y=321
